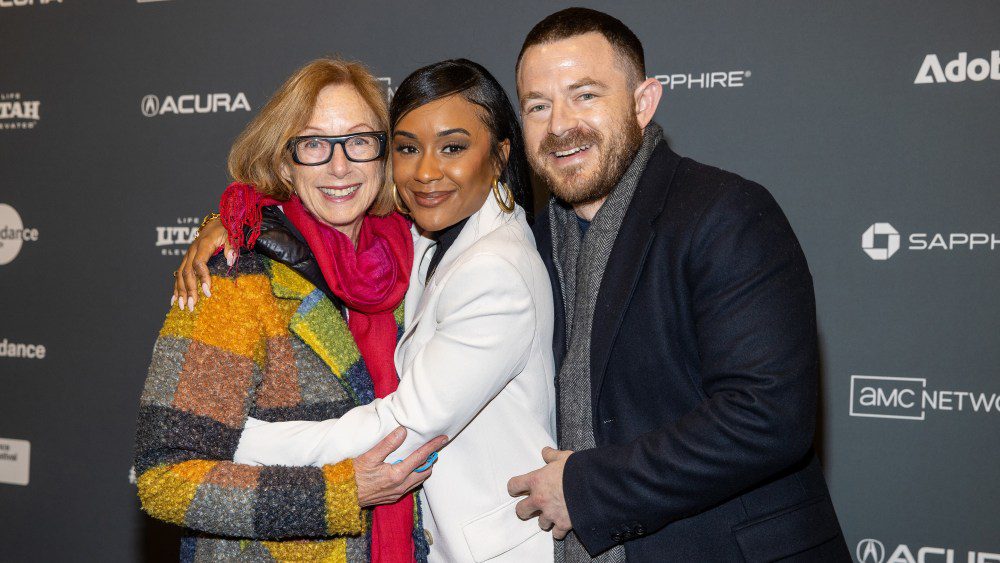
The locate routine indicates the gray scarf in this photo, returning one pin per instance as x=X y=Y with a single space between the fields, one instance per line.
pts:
x=580 y=262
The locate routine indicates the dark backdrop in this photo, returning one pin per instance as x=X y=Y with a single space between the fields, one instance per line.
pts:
x=828 y=104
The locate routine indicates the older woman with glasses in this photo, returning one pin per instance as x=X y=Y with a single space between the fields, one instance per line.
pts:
x=476 y=359
x=304 y=329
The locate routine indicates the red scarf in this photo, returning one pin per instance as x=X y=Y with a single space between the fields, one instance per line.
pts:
x=371 y=280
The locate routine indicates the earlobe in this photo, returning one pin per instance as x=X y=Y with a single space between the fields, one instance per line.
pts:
x=647 y=98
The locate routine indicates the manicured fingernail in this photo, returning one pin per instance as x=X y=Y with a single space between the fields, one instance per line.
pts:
x=230 y=258
x=173 y=300
x=191 y=303
x=180 y=303
x=205 y=290
x=427 y=464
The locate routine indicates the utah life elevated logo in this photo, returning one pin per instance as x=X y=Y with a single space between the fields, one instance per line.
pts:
x=186 y=104
x=958 y=69
x=16 y=112
x=173 y=240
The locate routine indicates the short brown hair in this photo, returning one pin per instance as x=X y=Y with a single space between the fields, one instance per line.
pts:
x=577 y=21
x=259 y=151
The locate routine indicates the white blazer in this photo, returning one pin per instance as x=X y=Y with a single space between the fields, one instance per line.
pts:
x=475 y=364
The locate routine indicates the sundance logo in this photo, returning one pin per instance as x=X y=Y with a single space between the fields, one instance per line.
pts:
x=730 y=79
x=881 y=240
x=873 y=551
x=20 y=3
x=18 y=113
x=20 y=350
x=13 y=235
x=185 y=104
x=907 y=398
x=959 y=69
x=173 y=240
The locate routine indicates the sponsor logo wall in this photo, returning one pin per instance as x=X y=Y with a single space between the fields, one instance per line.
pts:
x=115 y=120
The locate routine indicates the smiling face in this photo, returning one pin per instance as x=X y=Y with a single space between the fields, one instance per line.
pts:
x=442 y=162
x=339 y=192
x=582 y=116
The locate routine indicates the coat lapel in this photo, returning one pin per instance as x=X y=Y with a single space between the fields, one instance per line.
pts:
x=318 y=323
x=628 y=257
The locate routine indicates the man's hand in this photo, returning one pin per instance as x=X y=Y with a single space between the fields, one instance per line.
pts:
x=545 y=494
x=194 y=266
x=385 y=483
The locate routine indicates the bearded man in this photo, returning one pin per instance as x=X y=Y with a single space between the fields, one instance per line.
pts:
x=687 y=353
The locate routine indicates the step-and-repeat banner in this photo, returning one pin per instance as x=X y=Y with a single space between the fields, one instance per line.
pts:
x=876 y=125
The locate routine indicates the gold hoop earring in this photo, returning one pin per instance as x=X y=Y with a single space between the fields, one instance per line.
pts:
x=507 y=204
x=398 y=201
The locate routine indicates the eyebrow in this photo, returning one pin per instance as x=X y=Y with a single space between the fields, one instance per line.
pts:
x=447 y=132
x=531 y=96
x=353 y=127
x=444 y=133
x=587 y=81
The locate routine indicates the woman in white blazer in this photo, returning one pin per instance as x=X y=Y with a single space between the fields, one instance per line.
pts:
x=475 y=360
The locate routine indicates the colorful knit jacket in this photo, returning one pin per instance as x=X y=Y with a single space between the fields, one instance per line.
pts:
x=270 y=345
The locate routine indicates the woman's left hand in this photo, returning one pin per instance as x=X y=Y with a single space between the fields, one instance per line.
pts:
x=385 y=483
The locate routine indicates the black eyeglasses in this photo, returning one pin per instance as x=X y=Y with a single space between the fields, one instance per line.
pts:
x=313 y=150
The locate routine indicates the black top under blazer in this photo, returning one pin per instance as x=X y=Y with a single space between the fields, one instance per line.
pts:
x=704 y=376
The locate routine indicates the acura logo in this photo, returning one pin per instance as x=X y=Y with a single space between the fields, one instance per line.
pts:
x=870 y=551
x=876 y=252
x=150 y=105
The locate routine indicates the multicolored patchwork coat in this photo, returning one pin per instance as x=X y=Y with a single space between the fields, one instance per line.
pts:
x=270 y=345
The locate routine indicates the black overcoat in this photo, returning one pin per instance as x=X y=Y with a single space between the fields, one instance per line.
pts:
x=704 y=380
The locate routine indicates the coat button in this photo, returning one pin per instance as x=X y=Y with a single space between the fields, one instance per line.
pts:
x=616 y=537
x=639 y=530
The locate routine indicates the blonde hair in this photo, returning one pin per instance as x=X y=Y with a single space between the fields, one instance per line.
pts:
x=260 y=150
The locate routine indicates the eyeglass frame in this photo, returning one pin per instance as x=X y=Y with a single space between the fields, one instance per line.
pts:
x=334 y=141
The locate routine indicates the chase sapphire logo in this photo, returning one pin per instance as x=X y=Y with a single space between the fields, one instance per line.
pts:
x=883 y=247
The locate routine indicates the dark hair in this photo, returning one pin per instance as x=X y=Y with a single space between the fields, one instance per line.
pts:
x=577 y=21
x=478 y=86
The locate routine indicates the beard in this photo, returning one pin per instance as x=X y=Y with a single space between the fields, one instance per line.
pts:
x=574 y=185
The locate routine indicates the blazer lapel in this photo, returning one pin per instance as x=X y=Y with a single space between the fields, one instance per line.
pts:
x=486 y=220
x=628 y=257
x=415 y=291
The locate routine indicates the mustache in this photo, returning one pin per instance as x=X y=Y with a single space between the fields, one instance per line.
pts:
x=575 y=138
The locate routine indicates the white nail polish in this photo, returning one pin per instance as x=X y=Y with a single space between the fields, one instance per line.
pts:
x=205 y=290
x=190 y=303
